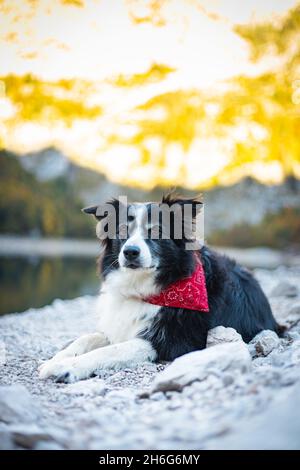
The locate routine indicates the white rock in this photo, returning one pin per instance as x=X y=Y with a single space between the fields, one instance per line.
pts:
x=92 y=387
x=121 y=394
x=284 y=289
x=6 y=442
x=221 y=334
x=17 y=405
x=263 y=343
x=280 y=422
x=48 y=445
x=198 y=365
x=158 y=396
x=27 y=435
x=295 y=310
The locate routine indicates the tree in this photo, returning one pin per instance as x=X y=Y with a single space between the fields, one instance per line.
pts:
x=45 y=101
x=265 y=108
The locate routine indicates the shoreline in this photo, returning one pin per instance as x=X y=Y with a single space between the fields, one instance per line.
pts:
x=13 y=246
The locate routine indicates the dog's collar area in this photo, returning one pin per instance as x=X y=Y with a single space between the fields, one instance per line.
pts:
x=189 y=293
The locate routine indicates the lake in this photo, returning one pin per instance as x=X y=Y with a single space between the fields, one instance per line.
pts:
x=35 y=282
x=34 y=272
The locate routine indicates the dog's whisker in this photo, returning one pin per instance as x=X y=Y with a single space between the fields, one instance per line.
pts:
x=114 y=263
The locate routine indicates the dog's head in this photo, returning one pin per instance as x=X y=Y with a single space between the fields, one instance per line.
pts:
x=149 y=237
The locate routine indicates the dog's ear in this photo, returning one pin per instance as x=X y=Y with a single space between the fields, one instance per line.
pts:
x=107 y=215
x=173 y=198
x=95 y=211
x=101 y=213
x=103 y=210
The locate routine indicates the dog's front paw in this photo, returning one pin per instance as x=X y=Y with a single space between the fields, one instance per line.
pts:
x=63 y=371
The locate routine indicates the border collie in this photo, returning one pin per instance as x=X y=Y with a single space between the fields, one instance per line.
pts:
x=135 y=324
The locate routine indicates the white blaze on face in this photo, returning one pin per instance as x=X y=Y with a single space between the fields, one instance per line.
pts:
x=137 y=236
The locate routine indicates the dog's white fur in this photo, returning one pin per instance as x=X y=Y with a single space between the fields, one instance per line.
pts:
x=122 y=316
x=137 y=237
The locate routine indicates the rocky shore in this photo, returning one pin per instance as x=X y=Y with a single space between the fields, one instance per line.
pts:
x=229 y=396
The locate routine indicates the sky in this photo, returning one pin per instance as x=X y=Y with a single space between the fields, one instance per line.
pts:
x=100 y=39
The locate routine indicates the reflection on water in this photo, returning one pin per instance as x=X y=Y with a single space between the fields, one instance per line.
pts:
x=26 y=283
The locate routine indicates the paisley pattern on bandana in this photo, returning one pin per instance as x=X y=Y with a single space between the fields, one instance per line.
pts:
x=189 y=293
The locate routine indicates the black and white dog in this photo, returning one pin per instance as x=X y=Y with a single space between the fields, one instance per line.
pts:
x=137 y=266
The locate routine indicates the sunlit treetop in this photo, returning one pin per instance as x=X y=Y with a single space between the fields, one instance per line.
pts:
x=143 y=115
x=75 y=3
x=265 y=108
x=181 y=112
x=274 y=37
x=154 y=74
x=36 y=100
x=148 y=11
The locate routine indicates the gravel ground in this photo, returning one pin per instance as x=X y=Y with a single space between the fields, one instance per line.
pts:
x=251 y=401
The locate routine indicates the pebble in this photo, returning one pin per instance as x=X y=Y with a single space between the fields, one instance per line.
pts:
x=263 y=343
x=284 y=289
x=220 y=335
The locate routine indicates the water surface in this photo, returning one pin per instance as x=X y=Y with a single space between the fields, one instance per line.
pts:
x=35 y=282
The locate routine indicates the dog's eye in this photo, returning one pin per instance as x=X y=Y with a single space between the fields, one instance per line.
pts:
x=130 y=218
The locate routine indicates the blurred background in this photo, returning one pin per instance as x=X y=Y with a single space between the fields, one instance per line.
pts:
x=101 y=98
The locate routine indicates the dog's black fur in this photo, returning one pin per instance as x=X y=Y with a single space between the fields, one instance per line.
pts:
x=235 y=298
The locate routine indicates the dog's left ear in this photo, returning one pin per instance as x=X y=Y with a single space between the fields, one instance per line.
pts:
x=195 y=202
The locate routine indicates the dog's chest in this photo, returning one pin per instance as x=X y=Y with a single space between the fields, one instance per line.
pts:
x=122 y=312
x=121 y=319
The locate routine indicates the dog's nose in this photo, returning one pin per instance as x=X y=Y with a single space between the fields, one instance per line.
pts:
x=131 y=252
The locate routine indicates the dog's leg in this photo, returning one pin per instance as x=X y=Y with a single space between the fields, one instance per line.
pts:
x=82 y=345
x=115 y=356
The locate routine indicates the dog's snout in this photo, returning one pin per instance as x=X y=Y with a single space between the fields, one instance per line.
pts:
x=131 y=252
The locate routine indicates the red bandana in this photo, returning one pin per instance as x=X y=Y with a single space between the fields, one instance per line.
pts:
x=189 y=293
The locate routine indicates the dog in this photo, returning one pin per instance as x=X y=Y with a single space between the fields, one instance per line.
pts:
x=136 y=322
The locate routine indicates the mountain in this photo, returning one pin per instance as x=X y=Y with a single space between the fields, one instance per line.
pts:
x=248 y=202
x=46 y=165
x=43 y=193
x=29 y=206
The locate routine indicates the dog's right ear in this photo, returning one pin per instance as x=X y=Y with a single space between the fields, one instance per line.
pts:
x=106 y=215
x=95 y=211
x=90 y=210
